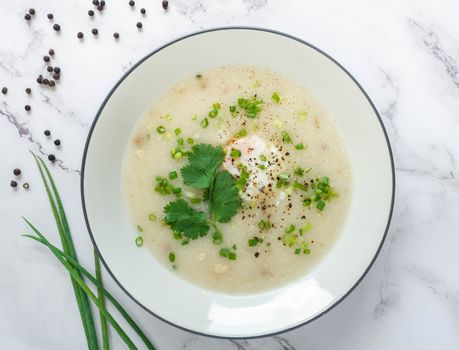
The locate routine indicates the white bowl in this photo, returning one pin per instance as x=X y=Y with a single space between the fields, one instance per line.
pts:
x=188 y=306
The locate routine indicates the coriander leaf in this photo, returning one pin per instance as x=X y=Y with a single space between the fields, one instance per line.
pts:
x=204 y=161
x=183 y=218
x=224 y=201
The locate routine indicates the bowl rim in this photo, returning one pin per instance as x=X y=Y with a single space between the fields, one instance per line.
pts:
x=271 y=31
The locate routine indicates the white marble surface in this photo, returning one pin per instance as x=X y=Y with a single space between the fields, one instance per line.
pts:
x=404 y=53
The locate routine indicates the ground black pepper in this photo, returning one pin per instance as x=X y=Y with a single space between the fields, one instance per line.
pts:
x=17 y=172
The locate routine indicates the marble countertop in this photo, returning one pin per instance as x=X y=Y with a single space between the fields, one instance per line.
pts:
x=404 y=53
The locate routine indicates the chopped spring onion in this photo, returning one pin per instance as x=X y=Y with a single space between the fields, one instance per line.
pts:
x=240 y=133
x=224 y=252
x=320 y=205
x=140 y=228
x=161 y=129
x=286 y=137
x=275 y=97
x=205 y=123
x=173 y=175
x=299 y=146
x=177 y=131
x=152 y=217
x=213 y=113
x=190 y=141
x=171 y=257
x=235 y=153
x=139 y=241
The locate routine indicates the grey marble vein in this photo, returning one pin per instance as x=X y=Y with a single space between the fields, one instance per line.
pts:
x=434 y=283
x=254 y=5
x=284 y=343
x=60 y=110
x=434 y=47
x=23 y=131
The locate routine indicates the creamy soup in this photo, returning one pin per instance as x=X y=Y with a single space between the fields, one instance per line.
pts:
x=237 y=180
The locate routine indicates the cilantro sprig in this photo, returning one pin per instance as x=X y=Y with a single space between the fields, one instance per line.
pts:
x=220 y=193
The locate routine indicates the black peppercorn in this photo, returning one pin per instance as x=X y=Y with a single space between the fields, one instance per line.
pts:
x=56 y=76
x=57 y=142
x=165 y=4
x=143 y=11
x=94 y=31
x=116 y=35
x=27 y=17
x=57 y=70
x=13 y=184
x=47 y=132
x=91 y=13
x=51 y=157
x=32 y=11
x=40 y=80
x=49 y=69
x=100 y=8
x=28 y=91
x=4 y=90
x=17 y=172
x=57 y=27
x=102 y=3
x=46 y=58
x=46 y=81
x=52 y=83
x=27 y=108
x=25 y=185
x=139 y=25
x=131 y=3
x=95 y=2
x=50 y=16
x=51 y=52
x=80 y=35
